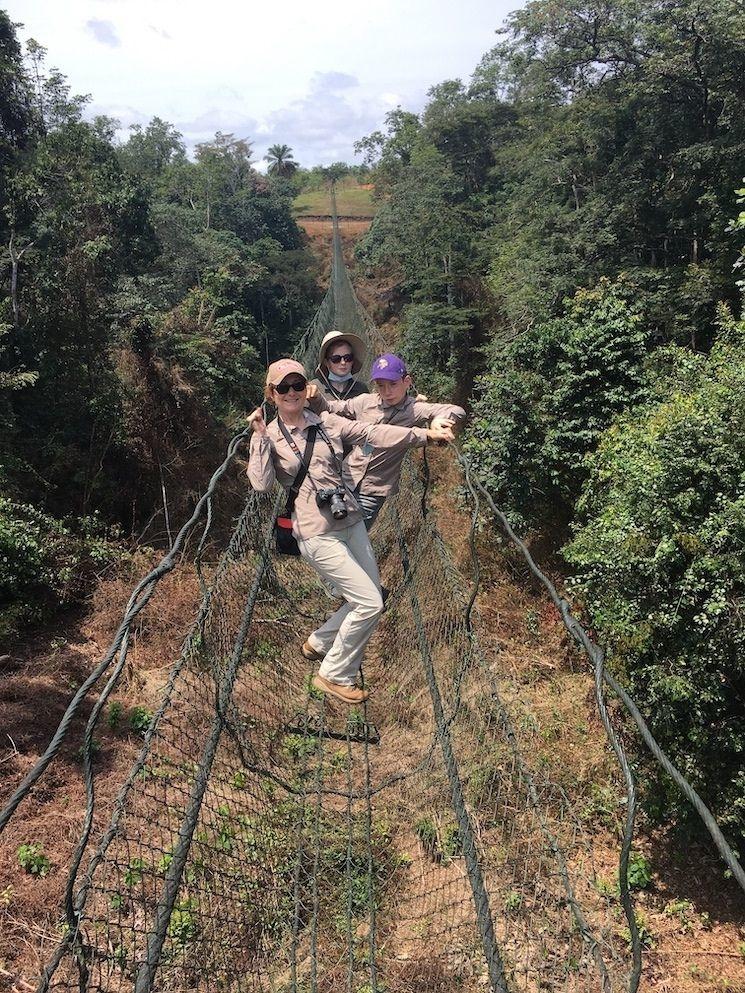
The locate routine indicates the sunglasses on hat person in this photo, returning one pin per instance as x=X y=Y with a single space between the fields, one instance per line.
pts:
x=343 y=357
x=297 y=385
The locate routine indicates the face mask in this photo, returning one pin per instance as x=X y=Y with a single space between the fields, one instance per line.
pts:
x=340 y=379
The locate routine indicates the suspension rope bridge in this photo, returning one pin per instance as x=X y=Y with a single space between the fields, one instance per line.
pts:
x=266 y=839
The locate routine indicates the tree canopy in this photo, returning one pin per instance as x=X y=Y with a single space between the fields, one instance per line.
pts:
x=561 y=230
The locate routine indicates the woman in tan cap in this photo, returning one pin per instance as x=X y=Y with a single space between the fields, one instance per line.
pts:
x=340 y=358
x=326 y=520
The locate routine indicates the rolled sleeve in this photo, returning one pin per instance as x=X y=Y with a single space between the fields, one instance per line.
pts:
x=261 y=473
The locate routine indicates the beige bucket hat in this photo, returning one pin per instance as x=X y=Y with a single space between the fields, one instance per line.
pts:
x=355 y=343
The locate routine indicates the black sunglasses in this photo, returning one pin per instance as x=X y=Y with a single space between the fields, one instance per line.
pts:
x=298 y=385
x=342 y=358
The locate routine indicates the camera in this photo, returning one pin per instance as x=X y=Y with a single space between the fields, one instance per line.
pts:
x=334 y=497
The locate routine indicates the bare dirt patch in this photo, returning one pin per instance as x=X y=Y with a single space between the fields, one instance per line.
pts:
x=45 y=673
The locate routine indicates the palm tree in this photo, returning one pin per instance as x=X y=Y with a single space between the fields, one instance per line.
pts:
x=281 y=162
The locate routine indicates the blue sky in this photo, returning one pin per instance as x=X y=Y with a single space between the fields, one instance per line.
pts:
x=315 y=76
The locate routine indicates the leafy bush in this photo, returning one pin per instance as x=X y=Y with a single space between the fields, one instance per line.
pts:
x=551 y=395
x=434 y=342
x=46 y=563
x=639 y=873
x=659 y=552
x=32 y=859
x=140 y=718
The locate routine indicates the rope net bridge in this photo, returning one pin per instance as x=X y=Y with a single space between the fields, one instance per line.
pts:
x=267 y=839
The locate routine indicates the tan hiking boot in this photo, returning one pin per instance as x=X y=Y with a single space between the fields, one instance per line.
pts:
x=311 y=654
x=347 y=694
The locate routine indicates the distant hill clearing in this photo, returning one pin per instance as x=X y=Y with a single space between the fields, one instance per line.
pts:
x=352 y=200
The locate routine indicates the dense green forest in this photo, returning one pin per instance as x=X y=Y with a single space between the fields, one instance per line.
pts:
x=566 y=232
x=139 y=293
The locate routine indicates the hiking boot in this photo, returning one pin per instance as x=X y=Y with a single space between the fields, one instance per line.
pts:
x=311 y=654
x=347 y=694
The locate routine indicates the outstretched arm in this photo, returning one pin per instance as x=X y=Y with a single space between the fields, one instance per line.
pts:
x=390 y=436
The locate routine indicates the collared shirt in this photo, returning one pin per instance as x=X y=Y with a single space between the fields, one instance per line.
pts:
x=375 y=470
x=339 y=391
x=272 y=458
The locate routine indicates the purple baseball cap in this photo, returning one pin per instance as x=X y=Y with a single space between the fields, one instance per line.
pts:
x=388 y=366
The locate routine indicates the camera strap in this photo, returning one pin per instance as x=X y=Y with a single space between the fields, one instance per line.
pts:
x=305 y=463
x=336 y=459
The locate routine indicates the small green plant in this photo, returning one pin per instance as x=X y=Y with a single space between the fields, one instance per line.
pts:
x=182 y=927
x=32 y=859
x=640 y=873
x=338 y=761
x=116 y=900
x=95 y=750
x=114 y=716
x=683 y=910
x=139 y=719
x=451 y=842
x=426 y=832
x=645 y=935
x=532 y=622
x=133 y=875
x=163 y=862
x=264 y=652
x=606 y=888
x=313 y=692
x=513 y=901
x=355 y=721
x=741 y=948
x=603 y=806
x=297 y=747
x=239 y=780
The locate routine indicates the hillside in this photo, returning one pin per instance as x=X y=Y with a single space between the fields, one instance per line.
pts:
x=352 y=201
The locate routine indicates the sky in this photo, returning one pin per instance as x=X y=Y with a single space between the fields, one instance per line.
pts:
x=313 y=75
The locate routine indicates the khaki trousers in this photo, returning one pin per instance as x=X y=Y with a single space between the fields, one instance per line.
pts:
x=345 y=558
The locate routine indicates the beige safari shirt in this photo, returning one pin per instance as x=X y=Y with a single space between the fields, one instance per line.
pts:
x=272 y=459
x=377 y=470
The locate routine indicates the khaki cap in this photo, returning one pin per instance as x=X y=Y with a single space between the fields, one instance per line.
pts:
x=281 y=368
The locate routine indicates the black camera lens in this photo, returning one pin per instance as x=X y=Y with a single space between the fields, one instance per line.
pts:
x=334 y=497
x=338 y=507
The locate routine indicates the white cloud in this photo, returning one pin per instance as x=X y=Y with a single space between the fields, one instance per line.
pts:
x=104 y=32
x=316 y=77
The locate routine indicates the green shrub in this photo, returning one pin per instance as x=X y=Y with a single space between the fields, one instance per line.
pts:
x=549 y=397
x=32 y=859
x=114 y=716
x=659 y=554
x=46 y=563
x=435 y=344
x=140 y=718
x=639 y=872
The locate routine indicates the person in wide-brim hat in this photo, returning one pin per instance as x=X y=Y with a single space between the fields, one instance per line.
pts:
x=340 y=358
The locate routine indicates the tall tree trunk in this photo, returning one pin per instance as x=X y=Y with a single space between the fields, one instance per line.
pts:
x=15 y=258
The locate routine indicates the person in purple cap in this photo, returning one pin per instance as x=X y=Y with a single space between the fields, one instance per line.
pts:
x=374 y=473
